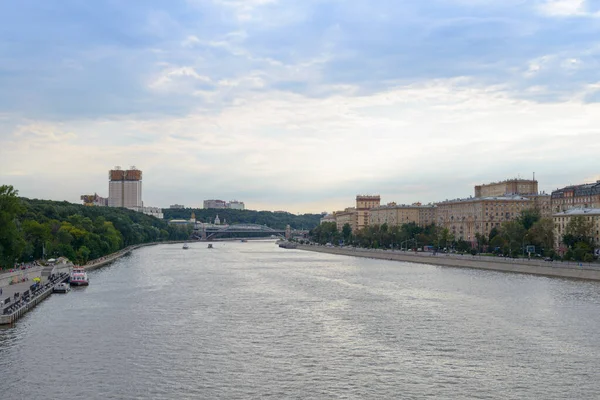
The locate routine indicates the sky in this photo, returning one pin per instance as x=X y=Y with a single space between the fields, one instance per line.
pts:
x=298 y=105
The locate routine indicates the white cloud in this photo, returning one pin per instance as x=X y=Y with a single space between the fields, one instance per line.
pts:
x=41 y=132
x=275 y=142
x=191 y=41
x=567 y=8
x=172 y=74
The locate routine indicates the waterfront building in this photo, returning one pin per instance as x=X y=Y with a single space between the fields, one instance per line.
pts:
x=509 y=187
x=363 y=204
x=348 y=216
x=543 y=203
x=562 y=219
x=94 y=200
x=576 y=196
x=464 y=218
x=327 y=218
x=125 y=188
x=397 y=215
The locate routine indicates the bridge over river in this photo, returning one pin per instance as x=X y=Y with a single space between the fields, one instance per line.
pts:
x=245 y=231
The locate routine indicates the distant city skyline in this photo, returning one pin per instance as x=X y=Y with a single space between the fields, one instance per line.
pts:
x=298 y=106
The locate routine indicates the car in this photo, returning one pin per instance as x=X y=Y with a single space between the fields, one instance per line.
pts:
x=548 y=259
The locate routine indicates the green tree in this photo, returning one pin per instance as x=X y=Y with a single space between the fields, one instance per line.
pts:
x=514 y=233
x=541 y=235
x=346 y=232
x=529 y=217
x=11 y=240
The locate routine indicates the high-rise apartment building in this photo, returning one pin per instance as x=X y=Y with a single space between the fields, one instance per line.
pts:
x=125 y=188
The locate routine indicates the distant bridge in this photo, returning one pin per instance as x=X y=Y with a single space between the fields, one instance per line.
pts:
x=203 y=232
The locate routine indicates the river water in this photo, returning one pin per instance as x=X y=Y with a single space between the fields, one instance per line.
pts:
x=250 y=320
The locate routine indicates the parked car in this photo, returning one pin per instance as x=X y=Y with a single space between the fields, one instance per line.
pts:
x=548 y=259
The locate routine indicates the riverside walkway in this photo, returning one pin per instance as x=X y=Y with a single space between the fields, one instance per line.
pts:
x=588 y=271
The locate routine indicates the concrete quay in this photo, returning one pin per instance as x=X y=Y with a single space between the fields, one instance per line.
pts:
x=521 y=266
x=19 y=298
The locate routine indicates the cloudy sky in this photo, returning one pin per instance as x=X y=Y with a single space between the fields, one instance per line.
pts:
x=298 y=105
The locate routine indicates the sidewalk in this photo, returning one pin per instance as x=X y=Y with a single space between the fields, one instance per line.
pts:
x=10 y=290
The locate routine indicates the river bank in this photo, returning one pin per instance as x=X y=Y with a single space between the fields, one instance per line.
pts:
x=521 y=266
x=102 y=261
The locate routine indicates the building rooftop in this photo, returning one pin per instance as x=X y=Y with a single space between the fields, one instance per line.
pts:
x=492 y=198
x=578 y=211
x=585 y=189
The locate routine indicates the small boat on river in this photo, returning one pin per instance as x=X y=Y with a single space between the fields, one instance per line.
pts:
x=61 y=288
x=185 y=246
x=79 y=277
x=210 y=246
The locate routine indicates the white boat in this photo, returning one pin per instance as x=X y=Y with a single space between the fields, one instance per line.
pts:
x=61 y=288
x=79 y=277
x=210 y=246
x=185 y=246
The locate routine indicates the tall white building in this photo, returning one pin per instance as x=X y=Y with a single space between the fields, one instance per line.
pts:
x=125 y=188
x=236 y=205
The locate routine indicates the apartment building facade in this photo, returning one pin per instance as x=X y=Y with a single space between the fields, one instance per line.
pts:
x=364 y=203
x=576 y=196
x=397 y=215
x=464 y=218
x=562 y=219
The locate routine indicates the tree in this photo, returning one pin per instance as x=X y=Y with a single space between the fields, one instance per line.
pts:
x=529 y=217
x=514 y=233
x=580 y=228
x=11 y=240
x=579 y=237
x=541 y=235
x=346 y=232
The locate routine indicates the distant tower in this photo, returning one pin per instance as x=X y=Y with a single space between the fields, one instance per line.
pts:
x=217 y=220
x=288 y=232
x=125 y=188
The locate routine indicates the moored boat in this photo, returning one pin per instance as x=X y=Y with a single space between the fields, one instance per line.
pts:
x=185 y=246
x=79 y=277
x=61 y=288
x=210 y=246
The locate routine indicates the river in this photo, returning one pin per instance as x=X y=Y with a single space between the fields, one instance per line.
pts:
x=250 y=320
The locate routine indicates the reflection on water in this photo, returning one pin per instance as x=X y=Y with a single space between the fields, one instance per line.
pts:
x=250 y=320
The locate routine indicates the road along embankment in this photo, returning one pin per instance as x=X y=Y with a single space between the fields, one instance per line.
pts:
x=520 y=266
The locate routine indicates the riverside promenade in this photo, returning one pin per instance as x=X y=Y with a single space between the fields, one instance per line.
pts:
x=515 y=265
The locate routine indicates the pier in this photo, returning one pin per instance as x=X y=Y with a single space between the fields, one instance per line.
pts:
x=19 y=298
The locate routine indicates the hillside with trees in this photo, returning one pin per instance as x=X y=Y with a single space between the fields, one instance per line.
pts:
x=275 y=220
x=30 y=227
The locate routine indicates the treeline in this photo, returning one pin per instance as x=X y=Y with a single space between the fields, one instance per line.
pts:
x=29 y=228
x=511 y=238
x=274 y=220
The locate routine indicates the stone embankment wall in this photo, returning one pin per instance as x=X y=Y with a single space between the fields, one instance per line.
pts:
x=537 y=267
